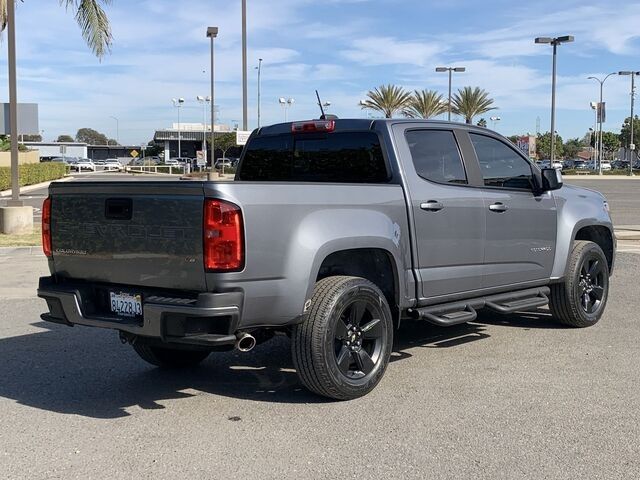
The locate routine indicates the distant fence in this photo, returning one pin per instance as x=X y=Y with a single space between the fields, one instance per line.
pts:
x=170 y=169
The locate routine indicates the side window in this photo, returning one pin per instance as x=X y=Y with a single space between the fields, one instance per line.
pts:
x=500 y=165
x=436 y=156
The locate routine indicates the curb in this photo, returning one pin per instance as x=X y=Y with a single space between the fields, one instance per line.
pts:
x=21 y=251
x=627 y=235
x=600 y=177
x=36 y=186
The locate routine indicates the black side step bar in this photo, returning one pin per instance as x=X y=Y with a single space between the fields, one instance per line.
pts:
x=454 y=313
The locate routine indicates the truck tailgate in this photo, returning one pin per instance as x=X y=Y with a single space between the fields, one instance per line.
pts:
x=134 y=233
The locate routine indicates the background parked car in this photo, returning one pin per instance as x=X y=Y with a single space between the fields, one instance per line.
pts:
x=84 y=164
x=112 y=164
x=223 y=163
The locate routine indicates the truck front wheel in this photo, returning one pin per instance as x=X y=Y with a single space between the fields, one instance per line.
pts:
x=579 y=300
x=167 y=357
x=342 y=347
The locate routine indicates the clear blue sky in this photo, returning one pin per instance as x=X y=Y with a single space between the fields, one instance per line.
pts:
x=341 y=47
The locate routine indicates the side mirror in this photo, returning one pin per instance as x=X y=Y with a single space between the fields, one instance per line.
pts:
x=551 y=179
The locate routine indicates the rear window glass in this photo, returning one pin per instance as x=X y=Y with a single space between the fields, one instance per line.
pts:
x=339 y=157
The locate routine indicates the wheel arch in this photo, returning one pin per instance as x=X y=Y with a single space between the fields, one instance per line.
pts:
x=598 y=232
x=601 y=236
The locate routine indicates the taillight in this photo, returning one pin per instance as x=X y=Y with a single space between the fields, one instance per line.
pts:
x=313 y=126
x=223 y=239
x=46 y=226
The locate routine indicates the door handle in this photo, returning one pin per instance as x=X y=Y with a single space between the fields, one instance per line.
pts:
x=498 y=207
x=431 y=206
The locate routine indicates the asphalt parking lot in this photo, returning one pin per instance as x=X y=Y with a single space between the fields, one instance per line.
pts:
x=504 y=397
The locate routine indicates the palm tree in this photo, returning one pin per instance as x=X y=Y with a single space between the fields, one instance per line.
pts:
x=470 y=102
x=425 y=104
x=387 y=99
x=91 y=19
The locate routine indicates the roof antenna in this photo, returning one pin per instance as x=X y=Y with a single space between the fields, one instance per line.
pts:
x=322 y=117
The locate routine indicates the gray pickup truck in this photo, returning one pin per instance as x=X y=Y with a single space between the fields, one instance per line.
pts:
x=332 y=233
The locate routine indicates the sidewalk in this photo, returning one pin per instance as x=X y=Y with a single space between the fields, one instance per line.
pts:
x=36 y=186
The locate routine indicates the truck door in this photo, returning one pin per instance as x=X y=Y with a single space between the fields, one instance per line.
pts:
x=448 y=214
x=521 y=226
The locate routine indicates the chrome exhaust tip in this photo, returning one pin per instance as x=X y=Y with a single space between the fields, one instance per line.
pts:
x=245 y=342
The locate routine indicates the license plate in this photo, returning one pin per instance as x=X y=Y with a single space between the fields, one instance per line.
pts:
x=126 y=304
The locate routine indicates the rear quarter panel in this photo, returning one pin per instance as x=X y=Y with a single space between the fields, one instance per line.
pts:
x=291 y=228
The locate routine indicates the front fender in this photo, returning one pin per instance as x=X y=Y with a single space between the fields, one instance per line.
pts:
x=577 y=208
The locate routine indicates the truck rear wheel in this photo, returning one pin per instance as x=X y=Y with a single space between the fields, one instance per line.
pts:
x=342 y=348
x=580 y=299
x=167 y=357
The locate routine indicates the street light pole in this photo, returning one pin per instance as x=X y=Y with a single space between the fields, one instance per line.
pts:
x=632 y=146
x=117 y=129
x=450 y=70
x=259 y=68
x=600 y=117
x=554 y=42
x=212 y=32
x=244 y=65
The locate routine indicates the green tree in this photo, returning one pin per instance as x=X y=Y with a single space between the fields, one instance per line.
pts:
x=513 y=139
x=91 y=137
x=543 y=146
x=572 y=147
x=64 y=138
x=482 y=123
x=387 y=99
x=470 y=102
x=625 y=134
x=611 y=142
x=425 y=104
x=91 y=19
x=225 y=141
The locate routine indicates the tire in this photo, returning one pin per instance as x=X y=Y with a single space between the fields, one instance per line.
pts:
x=167 y=357
x=342 y=347
x=580 y=299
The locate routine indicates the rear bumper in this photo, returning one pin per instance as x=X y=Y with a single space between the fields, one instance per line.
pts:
x=208 y=319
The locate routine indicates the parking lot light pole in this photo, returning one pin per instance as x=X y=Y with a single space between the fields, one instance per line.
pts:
x=259 y=68
x=450 y=70
x=212 y=32
x=600 y=117
x=177 y=102
x=13 y=104
x=204 y=101
x=632 y=146
x=245 y=126
x=286 y=104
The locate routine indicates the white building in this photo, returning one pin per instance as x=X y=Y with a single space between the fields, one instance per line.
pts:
x=50 y=150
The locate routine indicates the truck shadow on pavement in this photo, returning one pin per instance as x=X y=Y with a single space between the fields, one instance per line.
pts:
x=88 y=372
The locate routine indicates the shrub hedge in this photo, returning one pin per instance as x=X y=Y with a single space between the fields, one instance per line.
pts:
x=31 y=173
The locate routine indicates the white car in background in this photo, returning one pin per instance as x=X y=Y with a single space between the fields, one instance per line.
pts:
x=606 y=166
x=112 y=164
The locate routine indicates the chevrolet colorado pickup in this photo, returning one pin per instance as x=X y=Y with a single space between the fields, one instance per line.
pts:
x=332 y=233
